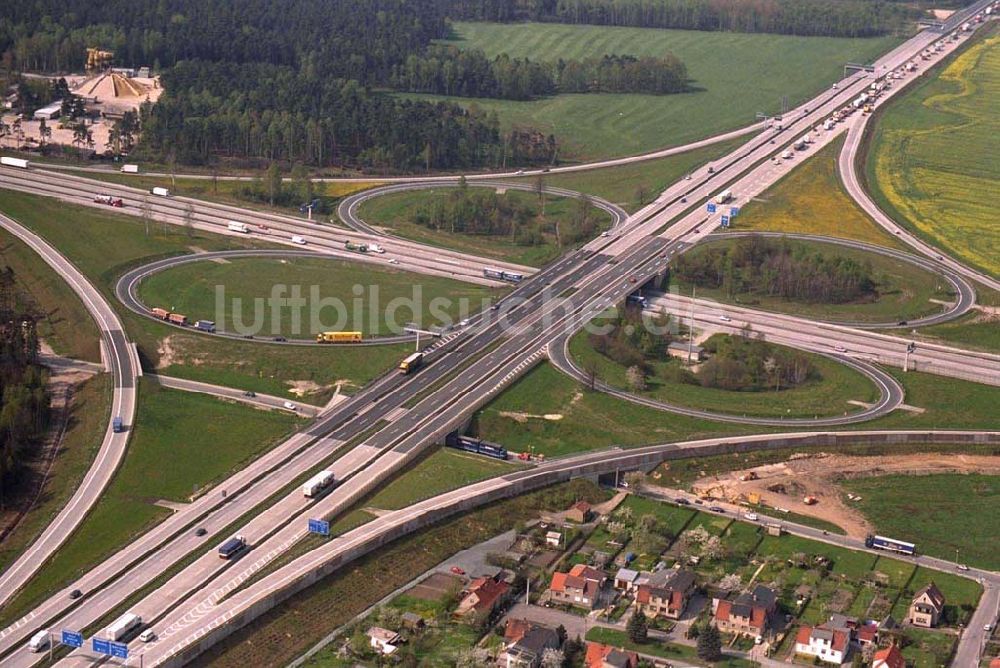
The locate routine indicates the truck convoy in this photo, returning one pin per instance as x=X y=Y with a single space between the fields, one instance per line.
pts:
x=173 y=318
x=317 y=484
x=109 y=200
x=411 y=363
x=338 y=337
x=20 y=163
x=890 y=544
x=122 y=626
x=233 y=226
x=232 y=547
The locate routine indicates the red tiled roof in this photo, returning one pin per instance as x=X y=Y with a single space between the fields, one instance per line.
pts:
x=867 y=632
x=802 y=637
x=840 y=640
x=891 y=657
x=597 y=651
x=722 y=611
x=559 y=581
x=516 y=628
x=586 y=572
x=995 y=663
x=488 y=591
x=582 y=506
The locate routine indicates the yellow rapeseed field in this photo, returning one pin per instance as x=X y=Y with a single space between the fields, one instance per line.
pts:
x=935 y=157
x=811 y=200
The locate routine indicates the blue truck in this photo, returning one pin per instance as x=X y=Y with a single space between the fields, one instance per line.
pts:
x=205 y=326
x=890 y=544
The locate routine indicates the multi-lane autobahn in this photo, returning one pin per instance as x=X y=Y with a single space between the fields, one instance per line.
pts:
x=377 y=432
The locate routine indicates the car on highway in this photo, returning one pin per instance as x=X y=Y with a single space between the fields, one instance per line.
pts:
x=687 y=177
x=962 y=567
x=750 y=517
x=75 y=594
x=840 y=349
x=464 y=323
x=520 y=172
x=200 y=531
x=633 y=279
x=605 y=234
x=290 y=406
x=393 y=260
x=902 y=323
x=681 y=501
x=457 y=571
x=147 y=635
x=725 y=318
x=717 y=509
x=988 y=627
x=250 y=393
x=684 y=199
x=279 y=339
x=296 y=239
x=248 y=336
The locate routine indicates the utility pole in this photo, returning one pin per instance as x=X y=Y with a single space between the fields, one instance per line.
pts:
x=691 y=326
x=910 y=347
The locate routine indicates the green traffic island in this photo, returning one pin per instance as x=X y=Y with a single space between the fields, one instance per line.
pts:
x=529 y=228
x=810 y=279
x=741 y=375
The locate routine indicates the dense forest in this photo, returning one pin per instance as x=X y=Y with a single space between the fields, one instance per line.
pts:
x=482 y=212
x=447 y=70
x=24 y=402
x=755 y=266
x=840 y=18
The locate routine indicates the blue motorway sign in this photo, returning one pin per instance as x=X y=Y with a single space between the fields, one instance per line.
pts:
x=119 y=650
x=322 y=527
x=734 y=211
x=72 y=638
x=100 y=646
x=711 y=207
x=725 y=221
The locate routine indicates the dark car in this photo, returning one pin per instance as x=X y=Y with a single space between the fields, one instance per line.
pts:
x=200 y=531
x=250 y=393
x=902 y=323
x=280 y=339
x=248 y=336
x=716 y=509
x=681 y=501
x=75 y=594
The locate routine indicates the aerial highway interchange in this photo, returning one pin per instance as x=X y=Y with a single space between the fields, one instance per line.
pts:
x=367 y=438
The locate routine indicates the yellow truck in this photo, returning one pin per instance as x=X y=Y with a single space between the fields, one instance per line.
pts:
x=338 y=337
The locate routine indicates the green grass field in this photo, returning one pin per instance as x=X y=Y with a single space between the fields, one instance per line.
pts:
x=898 y=507
x=103 y=245
x=932 y=160
x=218 y=438
x=196 y=289
x=904 y=290
x=88 y=420
x=66 y=324
x=395 y=211
x=811 y=200
x=443 y=470
x=634 y=185
x=548 y=413
x=827 y=395
x=733 y=76
x=948 y=403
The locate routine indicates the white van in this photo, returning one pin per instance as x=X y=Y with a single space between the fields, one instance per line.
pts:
x=39 y=641
x=147 y=635
x=296 y=239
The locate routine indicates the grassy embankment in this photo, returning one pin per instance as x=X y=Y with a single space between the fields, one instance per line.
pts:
x=396 y=211
x=903 y=291
x=204 y=438
x=931 y=162
x=193 y=288
x=733 y=76
x=104 y=244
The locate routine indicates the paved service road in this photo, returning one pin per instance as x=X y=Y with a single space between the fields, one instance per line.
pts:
x=123 y=363
x=259 y=400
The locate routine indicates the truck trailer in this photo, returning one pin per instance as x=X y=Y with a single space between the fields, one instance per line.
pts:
x=890 y=544
x=233 y=226
x=130 y=169
x=160 y=192
x=317 y=484
x=160 y=313
x=411 y=363
x=724 y=197
x=205 y=326
x=338 y=337
x=122 y=626
x=177 y=319
x=20 y=163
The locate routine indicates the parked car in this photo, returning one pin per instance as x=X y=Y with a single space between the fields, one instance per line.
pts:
x=457 y=571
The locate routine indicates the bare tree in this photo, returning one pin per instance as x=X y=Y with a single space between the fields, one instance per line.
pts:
x=147 y=213
x=189 y=220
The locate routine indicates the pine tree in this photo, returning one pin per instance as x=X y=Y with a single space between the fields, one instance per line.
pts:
x=710 y=644
x=638 y=629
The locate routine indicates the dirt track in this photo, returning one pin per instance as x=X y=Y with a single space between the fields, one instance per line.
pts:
x=817 y=475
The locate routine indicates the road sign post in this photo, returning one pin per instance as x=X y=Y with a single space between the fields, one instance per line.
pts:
x=725 y=221
x=321 y=527
x=711 y=207
x=119 y=650
x=734 y=211
x=100 y=645
x=72 y=638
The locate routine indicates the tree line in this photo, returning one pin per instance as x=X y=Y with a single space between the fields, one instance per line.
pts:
x=24 y=401
x=448 y=70
x=840 y=18
x=751 y=364
x=756 y=266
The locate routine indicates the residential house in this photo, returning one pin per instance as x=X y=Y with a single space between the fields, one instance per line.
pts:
x=890 y=657
x=606 y=656
x=382 y=640
x=553 y=538
x=827 y=644
x=581 y=587
x=750 y=614
x=412 y=621
x=525 y=643
x=579 y=512
x=927 y=606
x=666 y=594
x=482 y=597
x=625 y=579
